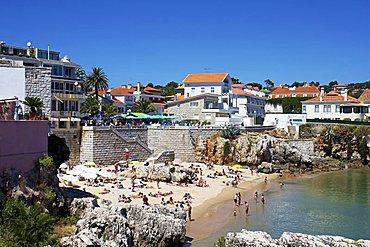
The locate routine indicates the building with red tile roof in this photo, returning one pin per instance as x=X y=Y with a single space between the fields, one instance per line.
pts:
x=304 y=91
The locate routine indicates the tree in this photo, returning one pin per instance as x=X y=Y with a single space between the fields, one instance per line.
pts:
x=110 y=110
x=144 y=107
x=269 y=84
x=317 y=84
x=81 y=76
x=297 y=84
x=255 y=84
x=35 y=104
x=98 y=80
x=235 y=80
x=170 y=88
x=23 y=225
x=150 y=85
x=333 y=83
x=90 y=106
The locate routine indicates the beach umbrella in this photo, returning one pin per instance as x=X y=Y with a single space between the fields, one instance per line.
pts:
x=237 y=166
x=74 y=172
x=89 y=163
x=88 y=175
x=91 y=170
x=105 y=174
x=63 y=166
x=69 y=178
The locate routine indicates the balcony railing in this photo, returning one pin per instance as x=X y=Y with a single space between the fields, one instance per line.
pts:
x=65 y=114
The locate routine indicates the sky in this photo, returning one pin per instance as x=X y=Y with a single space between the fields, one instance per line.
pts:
x=161 y=41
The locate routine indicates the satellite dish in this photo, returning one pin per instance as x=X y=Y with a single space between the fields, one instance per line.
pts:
x=29 y=44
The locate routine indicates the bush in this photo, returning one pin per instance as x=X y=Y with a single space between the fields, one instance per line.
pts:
x=230 y=132
x=25 y=226
x=305 y=131
x=46 y=161
x=221 y=242
x=50 y=196
x=347 y=119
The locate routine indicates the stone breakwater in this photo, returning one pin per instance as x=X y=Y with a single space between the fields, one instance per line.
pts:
x=258 y=238
x=125 y=226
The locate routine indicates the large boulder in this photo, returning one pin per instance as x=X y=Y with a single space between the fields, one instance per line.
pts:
x=165 y=173
x=127 y=225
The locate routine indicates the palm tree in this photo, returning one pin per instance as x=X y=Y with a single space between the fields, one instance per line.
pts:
x=98 y=80
x=90 y=106
x=144 y=107
x=81 y=75
x=34 y=104
x=110 y=110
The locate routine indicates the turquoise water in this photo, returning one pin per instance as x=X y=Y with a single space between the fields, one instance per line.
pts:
x=336 y=203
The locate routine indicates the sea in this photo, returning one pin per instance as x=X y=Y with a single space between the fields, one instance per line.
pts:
x=334 y=203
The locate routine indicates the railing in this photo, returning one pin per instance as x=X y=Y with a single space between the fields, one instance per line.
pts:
x=331 y=121
x=65 y=114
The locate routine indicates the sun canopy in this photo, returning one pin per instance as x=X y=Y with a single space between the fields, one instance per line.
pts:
x=63 y=166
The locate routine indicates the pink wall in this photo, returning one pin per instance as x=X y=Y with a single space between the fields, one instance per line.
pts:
x=22 y=143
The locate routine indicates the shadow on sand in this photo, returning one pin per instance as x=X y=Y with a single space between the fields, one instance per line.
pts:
x=75 y=193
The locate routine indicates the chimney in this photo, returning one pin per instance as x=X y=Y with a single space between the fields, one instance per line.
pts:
x=321 y=94
x=345 y=94
x=138 y=86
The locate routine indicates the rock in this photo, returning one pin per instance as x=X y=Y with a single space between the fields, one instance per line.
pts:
x=257 y=238
x=266 y=167
x=82 y=205
x=165 y=173
x=127 y=225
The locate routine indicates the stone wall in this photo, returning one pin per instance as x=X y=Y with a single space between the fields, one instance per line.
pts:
x=38 y=84
x=305 y=146
x=73 y=141
x=181 y=140
x=107 y=145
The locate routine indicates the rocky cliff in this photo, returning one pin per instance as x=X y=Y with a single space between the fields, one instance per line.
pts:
x=258 y=238
x=251 y=149
x=165 y=173
x=127 y=225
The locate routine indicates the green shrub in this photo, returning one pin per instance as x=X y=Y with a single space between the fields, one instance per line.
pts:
x=221 y=242
x=24 y=225
x=347 y=119
x=230 y=132
x=46 y=161
x=306 y=131
x=50 y=196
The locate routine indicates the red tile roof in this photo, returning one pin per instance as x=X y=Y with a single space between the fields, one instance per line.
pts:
x=332 y=98
x=304 y=89
x=365 y=96
x=123 y=91
x=238 y=85
x=239 y=91
x=148 y=89
x=196 y=78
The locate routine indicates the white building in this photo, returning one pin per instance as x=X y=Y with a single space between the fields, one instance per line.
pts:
x=220 y=84
x=335 y=105
x=285 y=121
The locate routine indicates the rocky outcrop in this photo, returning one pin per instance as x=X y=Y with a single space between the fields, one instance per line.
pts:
x=251 y=149
x=127 y=225
x=258 y=238
x=165 y=173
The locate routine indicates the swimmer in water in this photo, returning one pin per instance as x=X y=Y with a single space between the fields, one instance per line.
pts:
x=263 y=199
x=246 y=207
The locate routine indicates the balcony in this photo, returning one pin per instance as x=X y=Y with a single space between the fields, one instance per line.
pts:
x=65 y=114
x=68 y=95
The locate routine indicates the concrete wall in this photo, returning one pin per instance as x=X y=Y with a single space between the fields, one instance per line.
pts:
x=22 y=143
x=12 y=82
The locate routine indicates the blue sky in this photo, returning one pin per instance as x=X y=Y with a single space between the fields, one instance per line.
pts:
x=160 y=41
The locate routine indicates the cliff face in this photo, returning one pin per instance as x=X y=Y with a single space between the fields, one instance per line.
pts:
x=251 y=149
x=258 y=238
x=127 y=225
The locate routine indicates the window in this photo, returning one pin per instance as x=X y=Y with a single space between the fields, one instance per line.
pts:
x=192 y=90
x=73 y=124
x=73 y=106
x=53 y=105
x=327 y=108
x=347 y=109
x=212 y=89
x=304 y=95
x=316 y=108
x=202 y=90
x=69 y=72
x=194 y=104
x=303 y=109
x=294 y=95
x=62 y=124
x=337 y=108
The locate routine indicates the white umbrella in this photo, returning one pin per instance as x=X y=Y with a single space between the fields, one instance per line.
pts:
x=63 y=166
x=105 y=174
x=69 y=178
x=88 y=175
x=74 y=172
x=91 y=170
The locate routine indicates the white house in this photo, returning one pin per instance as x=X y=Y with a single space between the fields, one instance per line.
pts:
x=196 y=84
x=335 y=105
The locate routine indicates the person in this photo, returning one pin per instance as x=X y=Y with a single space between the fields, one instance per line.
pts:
x=158 y=183
x=265 y=180
x=246 y=207
x=163 y=202
x=188 y=209
x=236 y=199
x=239 y=198
x=126 y=154
x=234 y=212
x=281 y=185
x=251 y=172
x=145 y=200
x=263 y=199
x=256 y=195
